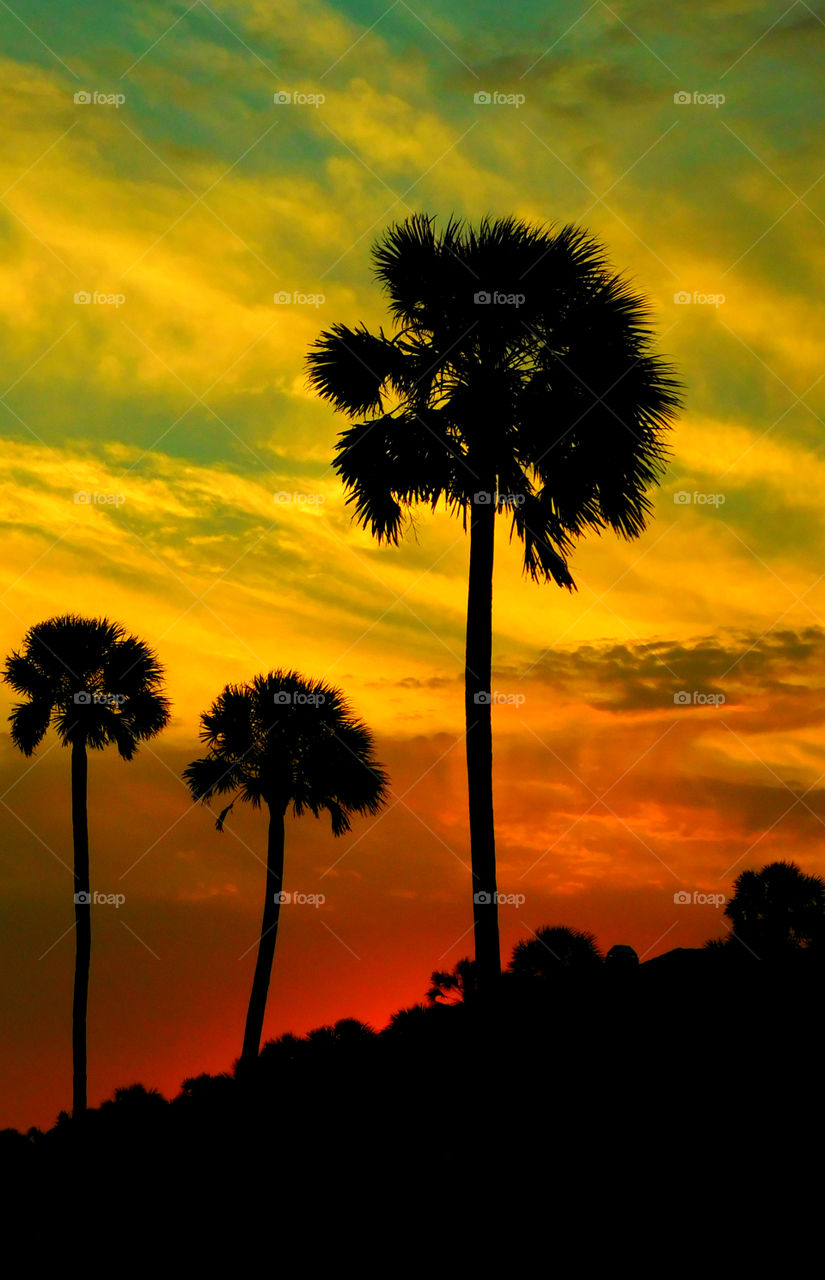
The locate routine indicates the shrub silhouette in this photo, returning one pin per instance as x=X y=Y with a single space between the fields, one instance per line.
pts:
x=622 y=958
x=555 y=950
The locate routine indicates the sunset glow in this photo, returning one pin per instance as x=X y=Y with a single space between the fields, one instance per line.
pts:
x=167 y=262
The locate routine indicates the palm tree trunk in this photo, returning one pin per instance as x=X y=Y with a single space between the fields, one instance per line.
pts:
x=269 y=934
x=83 y=926
x=477 y=706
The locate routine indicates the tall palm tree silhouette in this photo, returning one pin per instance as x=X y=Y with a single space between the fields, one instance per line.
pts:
x=98 y=687
x=519 y=377
x=282 y=740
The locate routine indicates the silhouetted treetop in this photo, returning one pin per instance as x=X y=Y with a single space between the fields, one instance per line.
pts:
x=514 y=344
x=778 y=910
x=91 y=680
x=622 y=956
x=456 y=987
x=553 y=950
x=289 y=740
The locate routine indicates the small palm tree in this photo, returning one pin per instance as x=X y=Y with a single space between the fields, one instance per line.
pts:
x=554 y=949
x=519 y=377
x=457 y=987
x=284 y=741
x=98 y=687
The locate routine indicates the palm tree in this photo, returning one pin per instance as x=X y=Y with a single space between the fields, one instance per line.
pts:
x=519 y=377
x=777 y=911
x=457 y=987
x=98 y=687
x=282 y=740
x=553 y=949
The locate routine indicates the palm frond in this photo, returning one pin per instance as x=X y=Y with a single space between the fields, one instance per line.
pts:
x=212 y=775
x=222 y=816
x=396 y=461
x=408 y=261
x=349 y=367
x=545 y=539
x=29 y=722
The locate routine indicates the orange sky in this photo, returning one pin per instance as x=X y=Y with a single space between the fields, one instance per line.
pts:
x=196 y=201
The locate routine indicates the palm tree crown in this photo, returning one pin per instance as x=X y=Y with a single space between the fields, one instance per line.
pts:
x=520 y=370
x=94 y=683
x=286 y=740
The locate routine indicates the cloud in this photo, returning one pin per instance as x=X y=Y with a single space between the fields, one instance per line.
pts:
x=776 y=669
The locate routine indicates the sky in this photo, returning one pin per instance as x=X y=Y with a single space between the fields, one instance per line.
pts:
x=188 y=196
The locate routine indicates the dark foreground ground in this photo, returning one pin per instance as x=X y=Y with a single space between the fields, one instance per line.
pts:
x=684 y=1073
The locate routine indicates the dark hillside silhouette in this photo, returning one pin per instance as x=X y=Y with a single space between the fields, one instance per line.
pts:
x=604 y=1059
x=616 y=1084
x=519 y=377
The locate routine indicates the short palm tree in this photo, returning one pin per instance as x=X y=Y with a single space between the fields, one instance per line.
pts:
x=519 y=377
x=98 y=687
x=456 y=987
x=284 y=741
